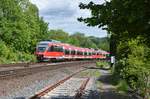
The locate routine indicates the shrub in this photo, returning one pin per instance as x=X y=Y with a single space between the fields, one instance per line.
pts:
x=9 y=55
x=122 y=86
x=26 y=57
x=4 y=51
x=135 y=67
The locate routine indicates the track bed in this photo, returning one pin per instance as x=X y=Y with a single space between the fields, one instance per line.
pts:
x=26 y=86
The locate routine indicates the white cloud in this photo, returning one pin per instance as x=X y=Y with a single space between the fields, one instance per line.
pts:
x=63 y=14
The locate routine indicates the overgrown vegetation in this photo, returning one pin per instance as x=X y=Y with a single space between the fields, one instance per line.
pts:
x=135 y=68
x=122 y=86
x=20 y=29
x=103 y=64
x=128 y=23
x=90 y=73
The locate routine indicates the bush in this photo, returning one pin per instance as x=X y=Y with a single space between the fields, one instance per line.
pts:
x=9 y=55
x=135 y=67
x=26 y=57
x=122 y=86
x=4 y=51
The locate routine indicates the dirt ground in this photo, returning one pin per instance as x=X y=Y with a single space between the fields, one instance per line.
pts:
x=107 y=89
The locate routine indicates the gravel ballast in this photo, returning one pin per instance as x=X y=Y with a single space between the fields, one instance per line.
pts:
x=25 y=87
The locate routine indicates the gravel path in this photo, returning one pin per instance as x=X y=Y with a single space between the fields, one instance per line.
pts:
x=104 y=88
x=26 y=86
x=107 y=90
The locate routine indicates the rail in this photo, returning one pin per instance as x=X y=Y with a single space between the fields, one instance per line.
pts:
x=50 y=88
x=34 y=68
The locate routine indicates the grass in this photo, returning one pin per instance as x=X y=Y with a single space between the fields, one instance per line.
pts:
x=119 y=85
x=122 y=86
x=90 y=73
x=102 y=64
x=99 y=84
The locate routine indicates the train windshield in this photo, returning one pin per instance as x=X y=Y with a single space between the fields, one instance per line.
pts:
x=55 y=49
x=41 y=49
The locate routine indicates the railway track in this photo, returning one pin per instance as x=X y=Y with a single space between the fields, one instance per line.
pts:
x=67 y=88
x=30 y=68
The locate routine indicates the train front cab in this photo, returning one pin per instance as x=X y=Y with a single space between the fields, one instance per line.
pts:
x=54 y=53
x=40 y=51
x=49 y=52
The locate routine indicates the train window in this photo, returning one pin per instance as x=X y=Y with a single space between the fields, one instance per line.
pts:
x=59 y=49
x=85 y=53
x=49 y=49
x=56 y=49
x=43 y=44
x=90 y=53
x=41 y=49
x=67 y=52
x=94 y=53
x=79 y=53
x=73 y=52
x=52 y=49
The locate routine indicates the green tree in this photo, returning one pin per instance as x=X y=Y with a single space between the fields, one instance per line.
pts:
x=125 y=20
x=58 y=35
x=101 y=43
x=20 y=26
x=79 y=39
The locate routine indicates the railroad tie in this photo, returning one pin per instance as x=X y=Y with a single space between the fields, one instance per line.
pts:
x=67 y=90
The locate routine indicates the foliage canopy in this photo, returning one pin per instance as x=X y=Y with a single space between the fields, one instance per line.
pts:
x=126 y=21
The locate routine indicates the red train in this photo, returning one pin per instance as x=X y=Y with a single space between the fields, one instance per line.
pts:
x=55 y=50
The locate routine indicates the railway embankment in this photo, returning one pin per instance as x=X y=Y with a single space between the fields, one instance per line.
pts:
x=25 y=86
x=99 y=86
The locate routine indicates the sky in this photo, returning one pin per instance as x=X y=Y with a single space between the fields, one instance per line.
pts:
x=63 y=14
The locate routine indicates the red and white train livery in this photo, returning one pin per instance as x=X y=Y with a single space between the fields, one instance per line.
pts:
x=55 y=50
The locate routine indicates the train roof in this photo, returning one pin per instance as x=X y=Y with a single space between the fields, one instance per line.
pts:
x=49 y=41
x=68 y=46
